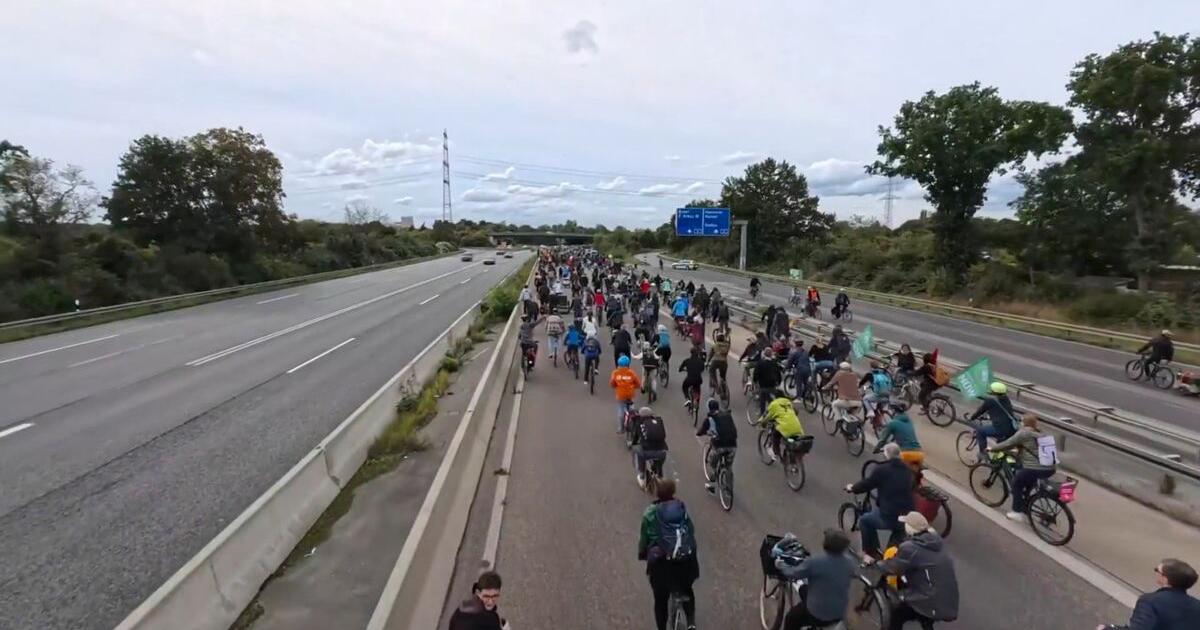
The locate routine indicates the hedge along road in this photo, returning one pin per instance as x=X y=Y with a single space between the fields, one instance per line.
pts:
x=149 y=435
x=1089 y=372
x=569 y=539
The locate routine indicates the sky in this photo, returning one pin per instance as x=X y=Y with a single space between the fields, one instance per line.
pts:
x=613 y=112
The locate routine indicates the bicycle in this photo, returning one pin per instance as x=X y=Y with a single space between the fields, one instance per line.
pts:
x=590 y=374
x=845 y=315
x=778 y=593
x=721 y=388
x=1162 y=376
x=676 y=618
x=1047 y=505
x=966 y=445
x=851 y=428
x=931 y=502
x=693 y=403
x=653 y=470
x=789 y=451
x=627 y=423
x=940 y=410
x=873 y=607
x=572 y=361
x=720 y=473
x=527 y=357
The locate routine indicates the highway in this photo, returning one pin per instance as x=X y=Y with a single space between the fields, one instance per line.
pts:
x=568 y=547
x=125 y=447
x=1088 y=372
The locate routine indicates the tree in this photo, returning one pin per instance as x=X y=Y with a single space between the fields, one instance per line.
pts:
x=952 y=144
x=1140 y=135
x=359 y=213
x=219 y=192
x=774 y=198
x=39 y=199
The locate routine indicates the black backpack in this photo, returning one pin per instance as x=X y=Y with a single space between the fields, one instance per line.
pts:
x=654 y=433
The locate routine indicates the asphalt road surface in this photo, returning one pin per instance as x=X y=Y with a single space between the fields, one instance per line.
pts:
x=1088 y=372
x=569 y=539
x=126 y=447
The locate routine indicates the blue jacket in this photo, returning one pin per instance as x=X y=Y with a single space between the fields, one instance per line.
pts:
x=664 y=340
x=591 y=348
x=573 y=338
x=1165 y=609
x=799 y=363
x=999 y=410
x=680 y=308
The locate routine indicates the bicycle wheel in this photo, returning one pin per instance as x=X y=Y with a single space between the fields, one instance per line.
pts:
x=752 y=412
x=575 y=368
x=675 y=614
x=870 y=608
x=764 y=447
x=1051 y=519
x=789 y=385
x=723 y=394
x=988 y=485
x=1133 y=370
x=856 y=440
x=944 y=519
x=828 y=421
x=1163 y=377
x=725 y=487
x=941 y=411
x=811 y=400
x=695 y=411
x=848 y=315
x=868 y=466
x=966 y=448
x=848 y=517
x=708 y=470
x=772 y=602
x=591 y=378
x=664 y=376
x=793 y=470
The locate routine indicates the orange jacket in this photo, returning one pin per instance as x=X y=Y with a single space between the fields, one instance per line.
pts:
x=625 y=383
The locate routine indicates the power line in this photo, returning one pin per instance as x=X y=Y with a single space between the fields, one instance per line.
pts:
x=578 y=171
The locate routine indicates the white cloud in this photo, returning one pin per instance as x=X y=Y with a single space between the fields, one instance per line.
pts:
x=581 y=38
x=553 y=190
x=505 y=175
x=672 y=158
x=694 y=187
x=739 y=157
x=202 y=57
x=483 y=195
x=373 y=156
x=354 y=184
x=616 y=183
x=403 y=201
x=359 y=197
x=658 y=190
x=849 y=178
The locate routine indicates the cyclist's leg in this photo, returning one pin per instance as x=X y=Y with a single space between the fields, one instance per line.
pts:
x=1023 y=482
x=869 y=525
x=982 y=433
x=902 y=613
x=660 y=585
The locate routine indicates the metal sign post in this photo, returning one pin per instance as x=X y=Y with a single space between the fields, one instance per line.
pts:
x=745 y=225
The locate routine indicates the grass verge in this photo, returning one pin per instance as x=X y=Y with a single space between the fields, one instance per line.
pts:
x=83 y=321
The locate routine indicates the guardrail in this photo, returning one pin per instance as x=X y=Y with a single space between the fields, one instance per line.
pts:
x=922 y=304
x=255 y=287
x=1171 y=462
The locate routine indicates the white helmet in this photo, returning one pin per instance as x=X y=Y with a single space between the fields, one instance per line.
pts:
x=662 y=328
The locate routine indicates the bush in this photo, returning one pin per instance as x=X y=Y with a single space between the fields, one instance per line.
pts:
x=44 y=297
x=940 y=283
x=97 y=287
x=196 y=271
x=992 y=280
x=1106 y=308
x=1161 y=313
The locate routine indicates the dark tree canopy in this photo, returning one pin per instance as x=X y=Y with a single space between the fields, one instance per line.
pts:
x=774 y=198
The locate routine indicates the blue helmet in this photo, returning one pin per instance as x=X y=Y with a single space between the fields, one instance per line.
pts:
x=623 y=361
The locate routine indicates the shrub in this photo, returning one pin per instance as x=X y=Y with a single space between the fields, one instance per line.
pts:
x=1106 y=308
x=44 y=297
x=196 y=271
x=992 y=280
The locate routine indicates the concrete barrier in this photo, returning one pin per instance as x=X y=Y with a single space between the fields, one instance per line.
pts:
x=210 y=591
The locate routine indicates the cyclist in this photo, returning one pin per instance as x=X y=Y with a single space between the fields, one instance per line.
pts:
x=754 y=286
x=576 y=309
x=691 y=290
x=525 y=338
x=900 y=430
x=660 y=263
x=906 y=361
x=696 y=330
x=800 y=366
x=650 y=363
x=812 y=300
x=768 y=376
x=721 y=430
x=893 y=482
x=662 y=346
x=1169 y=607
x=929 y=372
x=572 y=341
x=718 y=362
x=1037 y=455
x=649 y=439
x=622 y=343
x=822 y=360
x=781 y=417
x=930 y=586
x=782 y=327
x=554 y=331
x=840 y=303
x=667 y=542
x=666 y=287
x=722 y=317
x=826 y=595
x=625 y=385
x=768 y=318
x=589 y=326
x=591 y=354
x=880 y=384
x=693 y=367
x=845 y=383
x=1161 y=349
x=839 y=345
x=679 y=308
x=999 y=410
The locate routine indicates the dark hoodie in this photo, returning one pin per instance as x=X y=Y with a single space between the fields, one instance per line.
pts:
x=928 y=582
x=473 y=615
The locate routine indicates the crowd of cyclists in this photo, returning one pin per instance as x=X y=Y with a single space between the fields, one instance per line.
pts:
x=577 y=291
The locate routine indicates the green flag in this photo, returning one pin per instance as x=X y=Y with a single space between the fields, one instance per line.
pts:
x=973 y=382
x=862 y=343
x=796 y=274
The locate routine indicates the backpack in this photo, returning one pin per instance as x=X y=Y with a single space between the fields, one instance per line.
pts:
x=882 y=383
x=653 y=432
x=676 y=540
x=940 y=376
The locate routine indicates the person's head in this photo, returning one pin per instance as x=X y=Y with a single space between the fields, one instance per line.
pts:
x=713 y=406
x=844 y=366
x=998 y=389
x=768 y=353
x=589 y=317
x=1174 y=573
x=914 y=523
x=837 y=330
x=904 y=349
x=843 y=289
x=623 y=361
x=836 y=542
x=927 y=358
x=662 y=328
x=799 y=343
x=1029 y=421
x=760 y=336
x=646 y=412
x=875 y=365
x=665 y=490
x=891 y=450
x=696 y=352
x=487 y=589
x=720 y=337
x=810 y=288
x=1166 y=333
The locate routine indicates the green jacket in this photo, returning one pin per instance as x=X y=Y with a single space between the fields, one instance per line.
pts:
x=900 y=429
x=649 y=530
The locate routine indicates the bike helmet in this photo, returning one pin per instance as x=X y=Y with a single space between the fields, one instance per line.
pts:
x=1166 y=333
x=662 y=328
x=789 y=552
x=713 y=405
x=998 y=388
x=623 y=361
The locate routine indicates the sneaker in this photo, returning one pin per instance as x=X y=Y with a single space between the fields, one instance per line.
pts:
x=1015 y=516
x=772 y=457
x=641 y=481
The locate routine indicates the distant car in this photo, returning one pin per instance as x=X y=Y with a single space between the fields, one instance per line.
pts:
x=508 y=254
x=468 y=258
x=685 y=264
x=489 y=261
x=499 y=252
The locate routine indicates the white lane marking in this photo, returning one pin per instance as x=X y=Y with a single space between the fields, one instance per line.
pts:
x=276 y=299
x=320 y=355
x=465 y=280
x=11 y=430
x=74 y=345
x=491 y=543
x=293 y=328
x=120 y=352
x=428 y=300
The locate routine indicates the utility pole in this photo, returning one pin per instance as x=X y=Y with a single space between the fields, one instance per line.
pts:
x=745 y=225
x=447 y=204
x=887 y=204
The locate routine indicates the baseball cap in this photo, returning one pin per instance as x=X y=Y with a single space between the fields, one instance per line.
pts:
x=915 y=520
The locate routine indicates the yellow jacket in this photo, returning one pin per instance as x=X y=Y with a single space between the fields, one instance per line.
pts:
x=781 y=414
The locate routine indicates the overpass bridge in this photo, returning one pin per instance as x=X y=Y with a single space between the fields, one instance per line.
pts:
x=542 y=238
